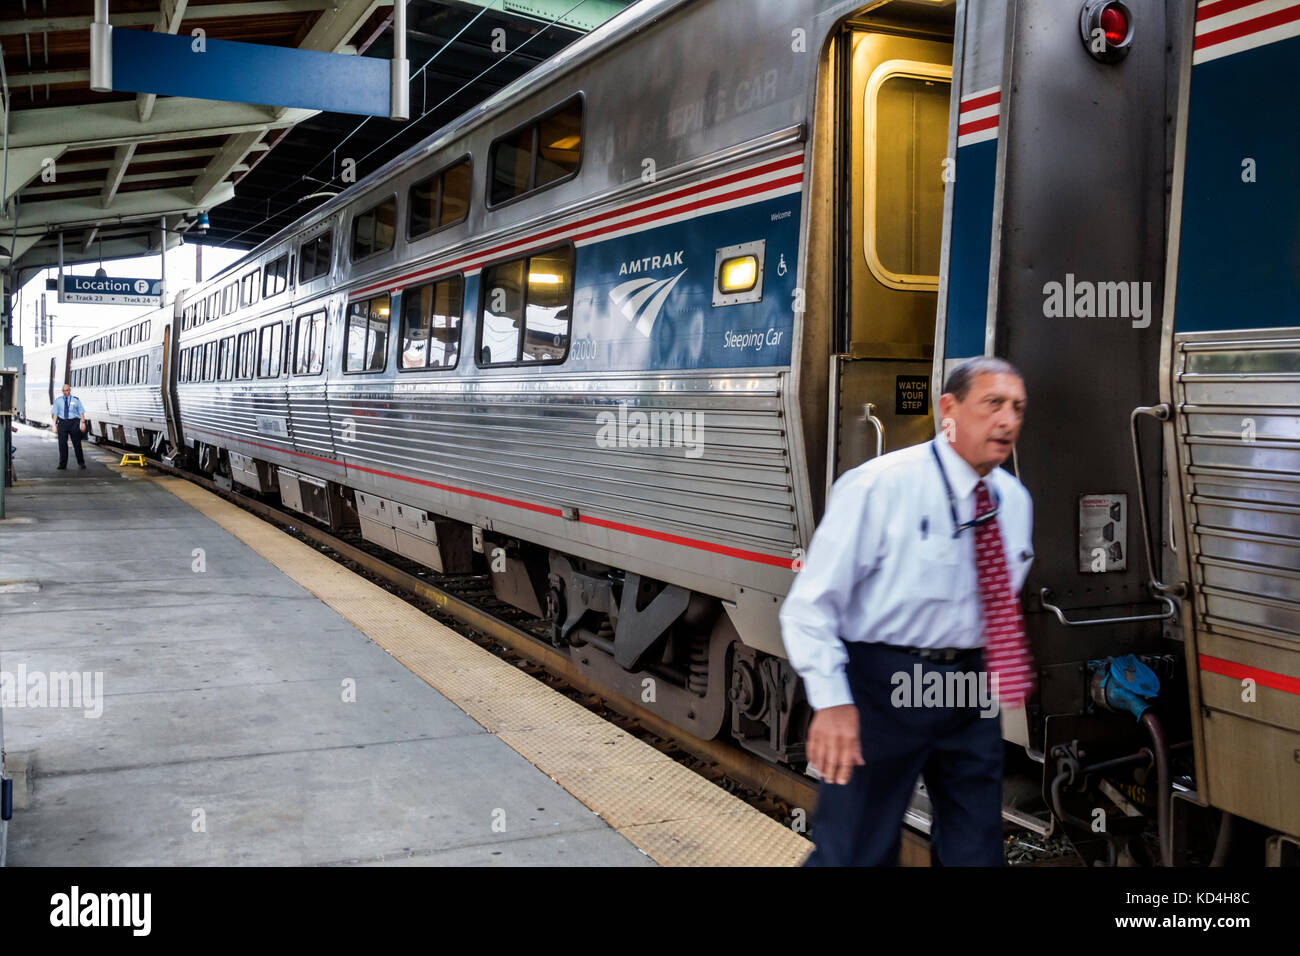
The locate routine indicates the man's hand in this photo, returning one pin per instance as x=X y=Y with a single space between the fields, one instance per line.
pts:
x=833 y=746
x=83 y=424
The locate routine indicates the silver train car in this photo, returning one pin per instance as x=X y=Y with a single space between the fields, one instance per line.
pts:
x=45 y=370
x=613 y=334
x=118 y=375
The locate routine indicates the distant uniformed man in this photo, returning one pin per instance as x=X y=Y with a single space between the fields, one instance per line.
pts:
x=915 y=571
x=70 y=421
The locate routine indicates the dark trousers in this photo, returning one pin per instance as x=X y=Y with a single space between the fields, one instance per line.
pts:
x=957 y=751
x=70 y=427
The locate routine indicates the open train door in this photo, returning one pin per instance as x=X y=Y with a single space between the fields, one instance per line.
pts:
x=893 y=88
x=1231 y=405
x=170 y=401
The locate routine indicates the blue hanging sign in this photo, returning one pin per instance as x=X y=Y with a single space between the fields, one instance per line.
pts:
x=110 y=290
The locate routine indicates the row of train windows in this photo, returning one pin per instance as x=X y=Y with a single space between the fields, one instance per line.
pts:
x=539 y=154
x=526 y=319
x=127 y=336
x=259 y=353
x=129 y=371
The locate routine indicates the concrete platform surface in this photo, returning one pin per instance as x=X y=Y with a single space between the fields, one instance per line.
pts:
x=223 y=714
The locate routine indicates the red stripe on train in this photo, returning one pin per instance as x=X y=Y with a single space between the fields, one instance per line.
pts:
x=483 y=254
x=974 y=126
x=1247 y=27
x=756 y=556
x=1217 y=665
x=979 y=102
x=1207 y=11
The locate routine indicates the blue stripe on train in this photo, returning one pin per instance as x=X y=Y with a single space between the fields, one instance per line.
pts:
x=682 y=329
x=971 y=249
x=1239 y=252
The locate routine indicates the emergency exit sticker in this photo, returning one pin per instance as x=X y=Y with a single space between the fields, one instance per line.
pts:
x=1103 y=533
x=912 y=395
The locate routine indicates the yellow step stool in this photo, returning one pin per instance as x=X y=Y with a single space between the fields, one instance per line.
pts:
x=133 y=460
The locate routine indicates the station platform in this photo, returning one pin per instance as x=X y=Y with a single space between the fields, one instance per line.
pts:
x=244 y=700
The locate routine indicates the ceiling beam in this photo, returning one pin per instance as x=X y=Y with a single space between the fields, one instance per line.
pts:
x=129 y=247
x=25 y=164
x=48 y=78
x=40 y=192
x=228 y=160
x=91 y=233
x=169 y=20
x=32 y=25
x=114 y=124
x=86 y=211
x=113 y=179
x=91 y=165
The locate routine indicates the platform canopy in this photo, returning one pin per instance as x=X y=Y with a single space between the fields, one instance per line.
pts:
x=104 y=170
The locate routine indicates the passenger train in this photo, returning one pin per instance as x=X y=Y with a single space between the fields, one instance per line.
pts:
x=616 y=331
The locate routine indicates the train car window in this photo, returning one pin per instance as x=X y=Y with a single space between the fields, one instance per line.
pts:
x=904 y=218
x=431 y=317
x=146 y=325
x=503 y=307
x=112 y=340
x=248 y=288
x=206 y=364
x=314 y=258
x=275 y=277
x=183 y=373
x=365 y=338
x=214 y=307
x=544 y=152
x=454 y=206
x=373 y=231
x=269 y=351
x=527 y=310
x=247 y=354
x=438 y=201
x=309 y=356
x=224 y=361
x=558 y=141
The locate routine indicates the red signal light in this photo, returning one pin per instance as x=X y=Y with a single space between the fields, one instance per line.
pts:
x=1106 y=27
x=1115 y=24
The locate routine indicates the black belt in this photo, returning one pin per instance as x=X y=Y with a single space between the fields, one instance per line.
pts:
x=941 y=655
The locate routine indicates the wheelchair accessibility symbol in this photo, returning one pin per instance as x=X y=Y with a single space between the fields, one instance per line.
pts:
x=780 y=266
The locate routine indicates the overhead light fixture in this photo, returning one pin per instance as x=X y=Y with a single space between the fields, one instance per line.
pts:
x=5 y=254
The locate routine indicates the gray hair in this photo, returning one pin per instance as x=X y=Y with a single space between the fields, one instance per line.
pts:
x=959 y=380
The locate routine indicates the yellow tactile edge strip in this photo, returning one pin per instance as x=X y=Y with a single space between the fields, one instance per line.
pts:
x=672 y=814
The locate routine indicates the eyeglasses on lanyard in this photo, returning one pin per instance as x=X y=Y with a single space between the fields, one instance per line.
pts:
x=960 y=526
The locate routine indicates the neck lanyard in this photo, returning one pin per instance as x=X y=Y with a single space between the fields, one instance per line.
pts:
x=959 y=526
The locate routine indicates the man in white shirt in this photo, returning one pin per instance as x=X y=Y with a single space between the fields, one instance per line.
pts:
x=905 y=626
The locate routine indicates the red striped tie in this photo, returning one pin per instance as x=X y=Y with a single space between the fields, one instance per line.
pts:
x=1006 y=653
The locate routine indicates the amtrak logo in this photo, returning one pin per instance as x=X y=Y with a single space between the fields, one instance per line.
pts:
x=640 y=300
